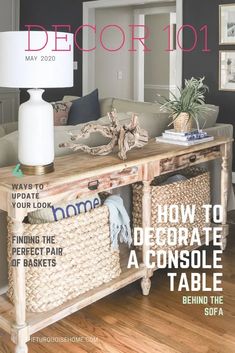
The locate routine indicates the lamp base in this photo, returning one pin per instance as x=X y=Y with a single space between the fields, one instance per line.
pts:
x=37 y=169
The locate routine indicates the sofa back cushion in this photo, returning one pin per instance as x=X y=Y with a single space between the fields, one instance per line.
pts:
x=123 y=105
x=7 y=128
x=2 y=131
x=106 y=106
x=155 y=124
x=8 y=149
x=208 y=119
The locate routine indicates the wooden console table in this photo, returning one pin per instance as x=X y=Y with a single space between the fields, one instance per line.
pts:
x=80 y=174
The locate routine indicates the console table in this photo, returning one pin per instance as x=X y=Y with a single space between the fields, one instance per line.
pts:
x=80 y=174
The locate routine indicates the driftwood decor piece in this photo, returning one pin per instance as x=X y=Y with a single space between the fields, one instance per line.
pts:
x=125 y=137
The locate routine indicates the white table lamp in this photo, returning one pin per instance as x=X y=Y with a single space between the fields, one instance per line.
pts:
x=36 y=60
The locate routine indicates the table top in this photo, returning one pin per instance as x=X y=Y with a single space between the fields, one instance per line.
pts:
x=79 y=165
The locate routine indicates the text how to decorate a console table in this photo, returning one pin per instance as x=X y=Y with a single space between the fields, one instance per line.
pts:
x=79 y=174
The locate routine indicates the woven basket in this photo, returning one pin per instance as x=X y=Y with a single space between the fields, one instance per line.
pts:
x=183 y=123
x=87 y=260
x=194 y=191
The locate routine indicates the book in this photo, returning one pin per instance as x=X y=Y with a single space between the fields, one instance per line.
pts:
x=176 y=133
x=188 y=137
x=184 y=143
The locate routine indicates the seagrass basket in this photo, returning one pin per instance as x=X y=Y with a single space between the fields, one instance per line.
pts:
x=87 y=261
x=193 y=191
x=183 y=123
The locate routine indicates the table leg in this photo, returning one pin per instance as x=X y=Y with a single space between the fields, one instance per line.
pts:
x=226 y=153
x=19 y=329
x=146 y=222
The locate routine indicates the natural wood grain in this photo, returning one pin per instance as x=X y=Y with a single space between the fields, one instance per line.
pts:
x=226 y=152
x=80 y=166
x=37 y=321
x=188 y=159
x=20 y=334
x=146 y=223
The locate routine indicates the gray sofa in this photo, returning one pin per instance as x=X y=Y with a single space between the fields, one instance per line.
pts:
x=150 y=118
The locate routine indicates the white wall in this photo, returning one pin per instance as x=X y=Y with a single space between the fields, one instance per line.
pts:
x=157 y=62
x=108 y=64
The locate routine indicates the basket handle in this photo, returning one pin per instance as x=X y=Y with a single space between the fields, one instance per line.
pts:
x=93 y=185
x=192 y=158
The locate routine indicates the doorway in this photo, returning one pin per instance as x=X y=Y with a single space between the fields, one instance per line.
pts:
x=140 y=13
x=156 y=69
x=159 y=64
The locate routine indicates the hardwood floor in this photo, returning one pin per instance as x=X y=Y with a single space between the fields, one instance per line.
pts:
x=127 y=322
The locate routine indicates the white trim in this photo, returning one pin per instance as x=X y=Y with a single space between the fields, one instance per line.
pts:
x=120 y=3
x=156 y=10
x=173 y=80
x=160 y=87
x=3 y=290
x=138 y=61
x=88 y=67
x=16 y=14
x=179 y=52
x=233 y=177
x=138 y=77
x=88 y=58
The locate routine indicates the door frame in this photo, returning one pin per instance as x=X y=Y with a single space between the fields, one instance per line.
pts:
x=88 y=58
x=139 y=57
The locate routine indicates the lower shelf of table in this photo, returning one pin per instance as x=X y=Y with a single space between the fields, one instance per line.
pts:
x=38 y=321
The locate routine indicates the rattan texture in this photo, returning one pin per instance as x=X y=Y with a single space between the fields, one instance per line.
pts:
x=183 y=123
x=87 y=261
x=193 y=191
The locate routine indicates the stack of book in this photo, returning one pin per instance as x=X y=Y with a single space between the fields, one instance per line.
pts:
x=184 y=138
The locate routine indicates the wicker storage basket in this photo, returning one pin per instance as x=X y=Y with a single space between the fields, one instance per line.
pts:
x=86 y=263
x=194 y=191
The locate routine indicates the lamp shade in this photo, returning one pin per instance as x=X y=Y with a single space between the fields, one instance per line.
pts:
x=36 y=59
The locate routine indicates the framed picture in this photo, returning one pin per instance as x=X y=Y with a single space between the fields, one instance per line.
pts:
x=227 y=70
x=227 y=24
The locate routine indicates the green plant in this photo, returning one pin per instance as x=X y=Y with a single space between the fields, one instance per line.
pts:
x=191 y=100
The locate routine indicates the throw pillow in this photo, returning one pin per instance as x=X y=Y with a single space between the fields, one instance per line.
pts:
x=85 y=109
x=61 y=112
x=65 y=210
x=124 y=105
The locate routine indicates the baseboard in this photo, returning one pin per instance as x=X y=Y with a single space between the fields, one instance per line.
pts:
x=3 y=290
x=233 y=178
